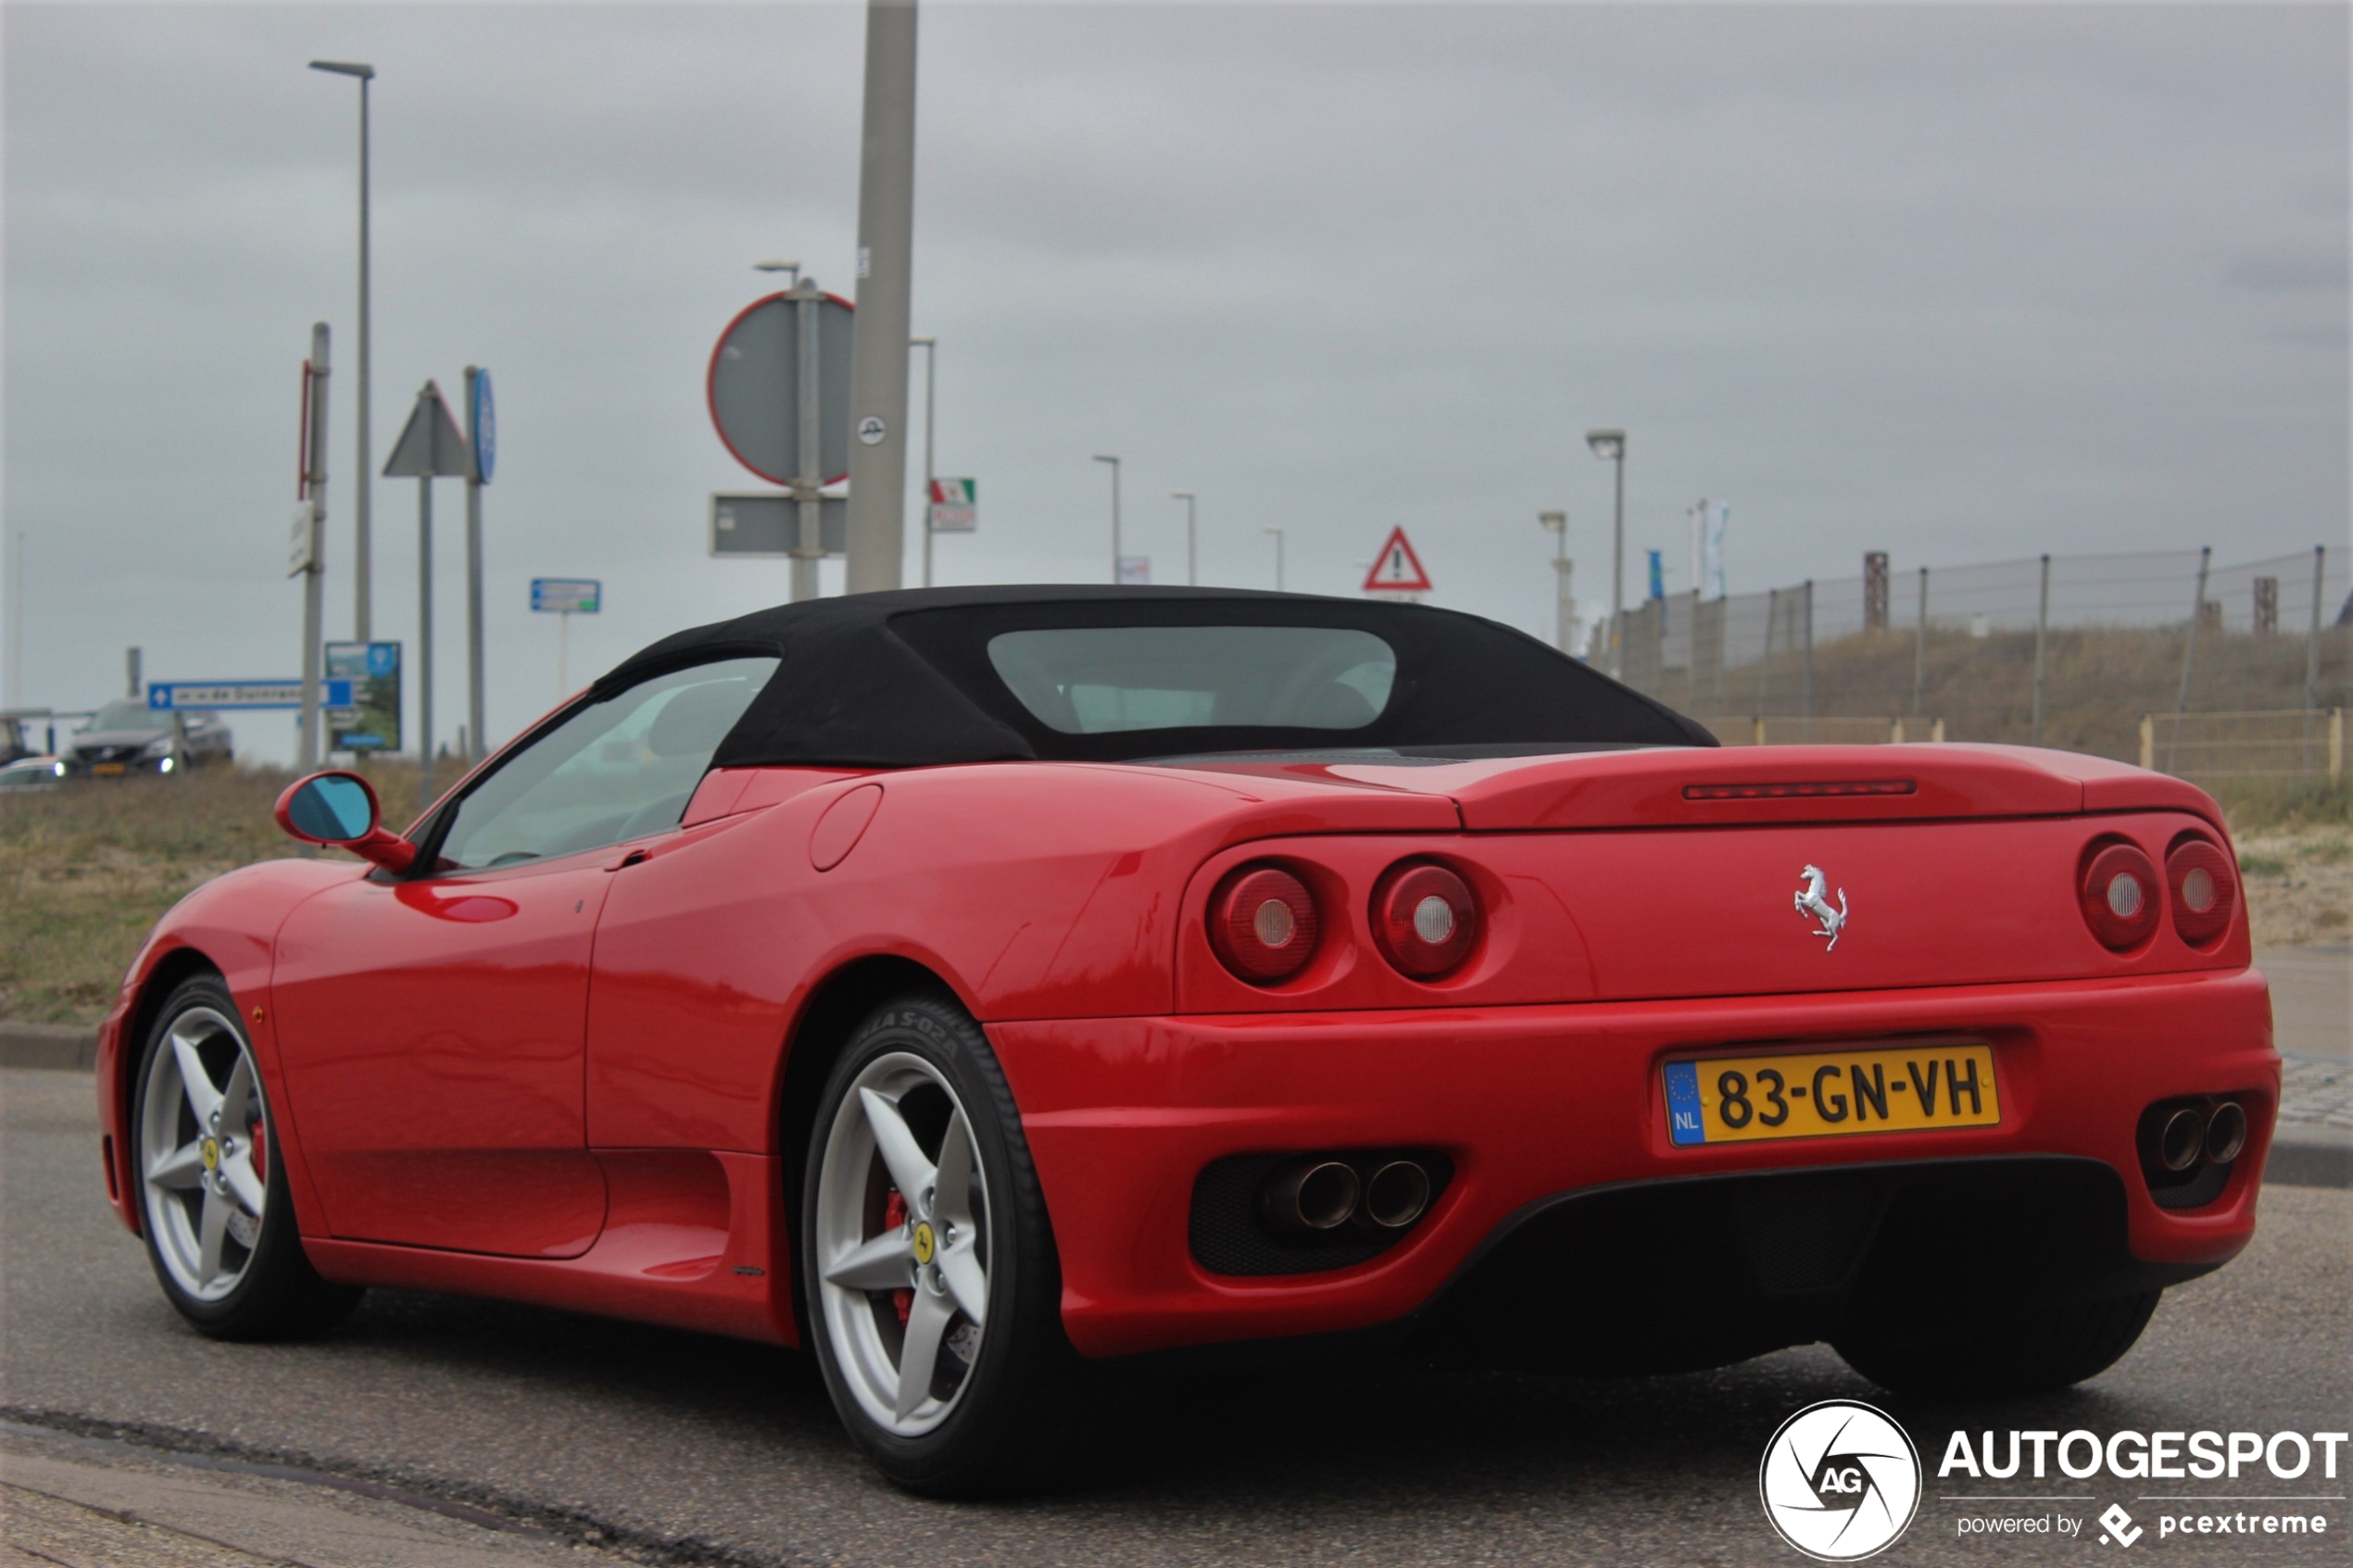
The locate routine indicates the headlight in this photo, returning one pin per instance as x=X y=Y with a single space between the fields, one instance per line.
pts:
x=160 y=746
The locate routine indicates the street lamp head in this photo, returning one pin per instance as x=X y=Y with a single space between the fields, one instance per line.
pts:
x=1181 y=495
x=345 y=68
x=921 y=342
x=1100 y=459
x=1555 y=521
x=1607 y=444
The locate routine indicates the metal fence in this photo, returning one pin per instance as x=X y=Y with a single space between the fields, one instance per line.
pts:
x=2065 y=650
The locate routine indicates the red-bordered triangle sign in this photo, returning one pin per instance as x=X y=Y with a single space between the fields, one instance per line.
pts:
x=1397 y=569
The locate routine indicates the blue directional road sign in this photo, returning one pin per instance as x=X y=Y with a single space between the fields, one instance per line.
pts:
x=169 y=697
x=566 y=595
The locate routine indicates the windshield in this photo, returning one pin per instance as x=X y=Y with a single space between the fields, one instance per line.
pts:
x=1093 y=680
x=129 y=714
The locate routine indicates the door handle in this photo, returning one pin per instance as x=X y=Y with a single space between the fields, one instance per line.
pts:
x=632 y=858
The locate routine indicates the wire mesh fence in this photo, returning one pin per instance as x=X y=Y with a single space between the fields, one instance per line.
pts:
x=2060 y=650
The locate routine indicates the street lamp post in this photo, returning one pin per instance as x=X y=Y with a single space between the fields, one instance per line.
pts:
x=1278 y=558
x=1563 y=608
x=1192 y=577
x=930 y=346
x=1610 y=446
x=365 y=472
x=1114 y=516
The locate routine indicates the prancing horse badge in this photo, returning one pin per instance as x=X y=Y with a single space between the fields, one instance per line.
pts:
x=1813 y=899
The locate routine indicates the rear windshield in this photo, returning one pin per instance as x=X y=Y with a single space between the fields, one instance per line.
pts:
x=1095 y=680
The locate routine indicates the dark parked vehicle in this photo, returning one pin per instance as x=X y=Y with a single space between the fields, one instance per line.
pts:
x=16 y=740
x=130 y=737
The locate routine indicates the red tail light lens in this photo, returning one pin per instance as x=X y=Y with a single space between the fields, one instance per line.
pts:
x=2204 y=890
x=2119 y=897
x=1424 y=919
x=1263 y=923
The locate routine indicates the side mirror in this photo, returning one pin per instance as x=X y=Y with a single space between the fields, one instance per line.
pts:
x=340 y=808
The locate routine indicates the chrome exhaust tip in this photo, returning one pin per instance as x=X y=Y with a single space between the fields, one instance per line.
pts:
x=2182 y=1139
x=2225 y=1133
x=1398 y=1195
x=1314 y=1194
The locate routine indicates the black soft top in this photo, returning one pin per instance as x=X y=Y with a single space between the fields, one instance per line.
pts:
x=903 y=679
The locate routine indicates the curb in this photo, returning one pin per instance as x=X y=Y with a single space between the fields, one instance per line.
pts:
x=63 y=1047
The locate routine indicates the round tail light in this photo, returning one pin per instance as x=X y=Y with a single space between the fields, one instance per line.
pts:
x=1424 y=919
x=1263 y=923
x=2204 y=890
x=2119 y=896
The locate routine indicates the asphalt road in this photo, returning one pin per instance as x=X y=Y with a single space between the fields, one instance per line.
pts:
x=686 y=1448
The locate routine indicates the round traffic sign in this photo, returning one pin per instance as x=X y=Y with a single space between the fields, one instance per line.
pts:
x=754 y=388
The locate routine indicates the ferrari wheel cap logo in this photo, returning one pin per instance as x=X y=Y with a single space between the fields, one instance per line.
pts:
x=212 y=1154
x=924 y=1246
x=1813 y=900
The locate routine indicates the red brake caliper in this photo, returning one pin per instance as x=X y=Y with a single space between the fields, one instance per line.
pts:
x=894 y=1217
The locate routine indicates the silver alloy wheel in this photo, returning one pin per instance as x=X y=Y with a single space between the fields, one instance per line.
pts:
x=929 y=1254
x=201 y=1118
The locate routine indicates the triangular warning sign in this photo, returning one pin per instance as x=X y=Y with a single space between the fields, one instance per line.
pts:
x=431 y=446
x=1397 y=569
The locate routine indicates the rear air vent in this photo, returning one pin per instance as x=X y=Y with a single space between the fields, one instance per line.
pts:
x=1805 y=790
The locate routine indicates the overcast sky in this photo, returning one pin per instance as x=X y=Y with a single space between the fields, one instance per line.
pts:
x=1959 y=282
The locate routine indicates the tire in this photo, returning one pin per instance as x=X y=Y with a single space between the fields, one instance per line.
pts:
x=2046 y=1350
x=220 y=1232
x=1008 y=1405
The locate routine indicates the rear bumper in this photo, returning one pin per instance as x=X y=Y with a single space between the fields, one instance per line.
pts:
x=1533 y=1104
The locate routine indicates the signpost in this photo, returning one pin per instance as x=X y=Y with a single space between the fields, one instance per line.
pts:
x=304 y=556
x=1397 y=569
x=779 y=393
x=182 y=696
x=954 y=505
x=565 y=597
x=368 y=718
x=482 y=439
x=430 y=447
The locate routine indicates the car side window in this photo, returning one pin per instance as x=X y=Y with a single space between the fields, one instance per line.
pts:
x=622 y=767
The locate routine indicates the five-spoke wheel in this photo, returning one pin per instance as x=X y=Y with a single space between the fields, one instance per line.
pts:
x=902 y=1243
x=213 y=1201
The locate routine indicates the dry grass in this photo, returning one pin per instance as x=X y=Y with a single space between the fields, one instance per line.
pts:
x=87 y=869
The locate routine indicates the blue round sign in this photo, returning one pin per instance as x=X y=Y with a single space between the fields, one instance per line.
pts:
x=486 y=423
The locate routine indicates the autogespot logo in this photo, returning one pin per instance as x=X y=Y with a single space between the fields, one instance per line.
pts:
x=1840 y=1481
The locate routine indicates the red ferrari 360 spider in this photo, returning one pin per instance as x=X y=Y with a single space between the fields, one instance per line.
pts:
x=989 y=989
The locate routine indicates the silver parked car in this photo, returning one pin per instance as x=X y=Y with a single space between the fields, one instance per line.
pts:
x=130 y=737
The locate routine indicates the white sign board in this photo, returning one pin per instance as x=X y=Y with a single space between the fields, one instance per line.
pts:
x=1135 y=572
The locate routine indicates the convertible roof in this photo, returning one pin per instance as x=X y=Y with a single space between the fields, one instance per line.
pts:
x=903 y=679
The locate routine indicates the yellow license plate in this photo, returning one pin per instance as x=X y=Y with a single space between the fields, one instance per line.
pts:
x=1825 y=1094
x=107 y=767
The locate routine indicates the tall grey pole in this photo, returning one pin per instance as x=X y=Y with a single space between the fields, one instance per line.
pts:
x=314 y=485
x=1919 y=649
x=878 y=348
x=1114 y=516
x=810 y=547
x=931 y=398
x=2189 y=656
x=477 y=736
x=1278 y=558
x=1192 y=573
x=424 y=640
x=2042 y=639
x=362 y=553
x=1617 y=569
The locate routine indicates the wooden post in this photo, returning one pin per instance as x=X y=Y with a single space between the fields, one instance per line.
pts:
x=1936 y=732
x=2148 y=742
x=2336 y=744
x=1758 y=731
